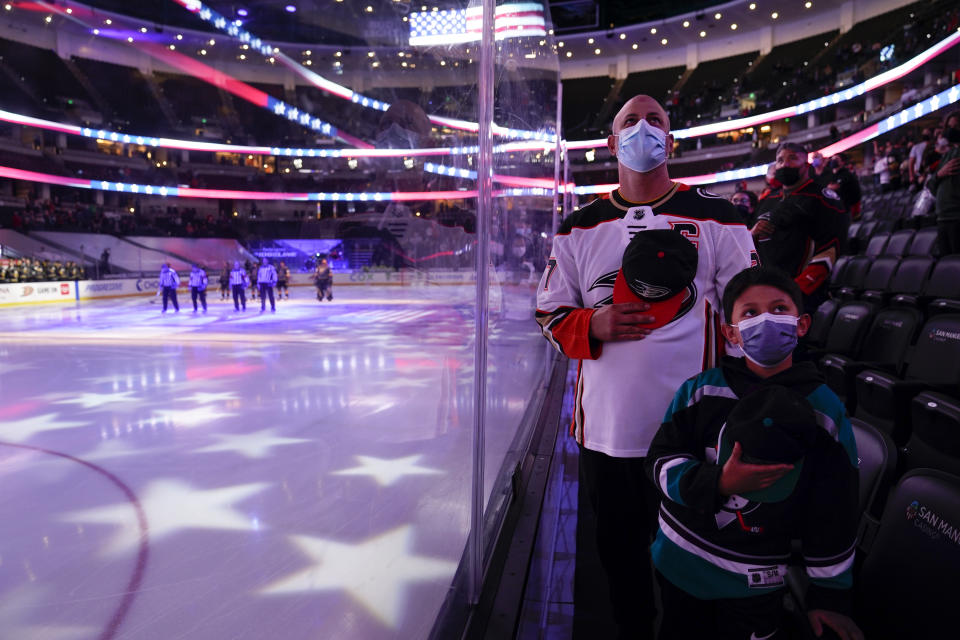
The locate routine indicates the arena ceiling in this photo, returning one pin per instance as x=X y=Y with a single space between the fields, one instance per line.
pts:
x=325 y=21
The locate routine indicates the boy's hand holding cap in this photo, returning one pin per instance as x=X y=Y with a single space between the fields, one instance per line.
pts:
x=763 y=444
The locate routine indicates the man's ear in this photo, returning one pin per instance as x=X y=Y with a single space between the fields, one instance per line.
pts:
x=730 y=333
x=612 y=144
x=803 y=324
x=669 y=145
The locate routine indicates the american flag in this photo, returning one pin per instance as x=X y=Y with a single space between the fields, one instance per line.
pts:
x=453 y=26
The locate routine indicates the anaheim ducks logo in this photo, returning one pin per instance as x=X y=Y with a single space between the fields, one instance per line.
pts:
x=649 y=291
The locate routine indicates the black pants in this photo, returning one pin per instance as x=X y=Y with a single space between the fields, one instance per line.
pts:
x=239 y=297
x=625 y=504
x=324 y=289
x=267 y=290
x=281 y=287
x=948 y=236
x=197 y=292
x=687 y=617
x=170 y=293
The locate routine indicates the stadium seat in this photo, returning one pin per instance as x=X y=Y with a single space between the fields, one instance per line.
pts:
x=884 y=347
x=876 y=245
x=849 y=327
x=883 y=399
x=878 y=277
x=924 y=243
x=816 y=337
x=899 y=242
x=851 y=280
x=942 y=290
x=935 y=438
x=853 y=235
x=906 y=585
x=877 y=456
x=907 y=282
x=837 y=272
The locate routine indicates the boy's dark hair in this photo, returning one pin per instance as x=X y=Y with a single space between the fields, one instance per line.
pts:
x=759 y=275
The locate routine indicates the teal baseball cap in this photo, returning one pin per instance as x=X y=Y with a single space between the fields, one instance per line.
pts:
x=773 y=425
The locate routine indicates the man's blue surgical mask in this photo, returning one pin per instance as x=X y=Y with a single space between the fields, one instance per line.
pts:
x=768 y=339
x=642 y=147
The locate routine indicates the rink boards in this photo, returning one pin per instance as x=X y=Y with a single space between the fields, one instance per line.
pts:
x=25 y=293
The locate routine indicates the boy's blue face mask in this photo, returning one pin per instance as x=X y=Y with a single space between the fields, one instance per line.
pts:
x=768 y=339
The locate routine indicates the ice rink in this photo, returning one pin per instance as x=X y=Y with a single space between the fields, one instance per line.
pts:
x=303 y=474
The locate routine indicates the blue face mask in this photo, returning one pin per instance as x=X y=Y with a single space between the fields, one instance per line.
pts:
x=768 y=339
x=642 y=147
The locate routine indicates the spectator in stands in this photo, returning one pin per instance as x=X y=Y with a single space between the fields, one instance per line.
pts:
x=239 y=281
x=745 y=467
x=746 y=203
x=772 y=186
x=915 y=160
x=806 y=225
x=167 y=284
x=198 y=286
x=845 y=184
x=886 y=166
x=266 y=279
x=614 y=341
x=105 y=262
x=945 y=185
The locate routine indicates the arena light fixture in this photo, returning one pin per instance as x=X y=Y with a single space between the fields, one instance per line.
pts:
x=290 y=8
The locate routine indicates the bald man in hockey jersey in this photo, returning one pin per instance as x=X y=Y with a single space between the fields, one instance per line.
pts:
x=634 y=355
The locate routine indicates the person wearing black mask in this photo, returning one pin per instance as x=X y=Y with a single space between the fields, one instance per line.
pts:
x=845 y=184
x=803 y=228
x=746 y=203
x=945 y=185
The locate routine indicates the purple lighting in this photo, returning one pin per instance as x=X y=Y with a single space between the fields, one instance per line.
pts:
x=290 y=8
x=242 y=13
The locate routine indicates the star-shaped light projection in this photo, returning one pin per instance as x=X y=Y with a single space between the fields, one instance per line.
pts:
x=372 y=572
x=191 y=417
x=385 y=471
x=93 y=400
x=33 y=602
x=251 y=445
x=23 y=430
x=170 y=506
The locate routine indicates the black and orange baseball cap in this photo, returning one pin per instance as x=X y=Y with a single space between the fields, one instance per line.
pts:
x=658 y=267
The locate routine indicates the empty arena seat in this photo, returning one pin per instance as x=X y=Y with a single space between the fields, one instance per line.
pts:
x=849 y=327
x=877 y=456
x=942 y=290
x=876 y=245
x=898 y=242
x=851 y=280
x=883 y=399
x=877 y=279
x=909 y=280
x=837 y=272
x=924 y=243
x=935 y=437
x=820 y=325
x=905 y=586
x=877 y=464
x=884 y=347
